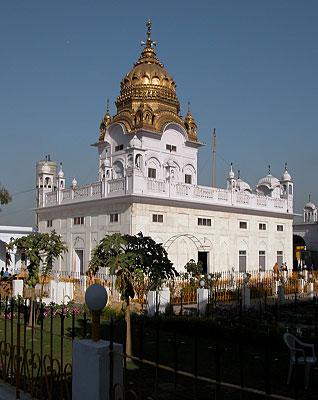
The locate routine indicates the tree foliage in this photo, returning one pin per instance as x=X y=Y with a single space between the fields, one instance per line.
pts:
x=194 y=269
x=131 y=257
x=5 y=196
x=40 y=251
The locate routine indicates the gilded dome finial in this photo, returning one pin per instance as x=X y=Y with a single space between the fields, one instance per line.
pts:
x=149 y=26
x=105 y=122
x=190 y=124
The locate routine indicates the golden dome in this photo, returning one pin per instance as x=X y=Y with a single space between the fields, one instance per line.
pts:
x=148 y=96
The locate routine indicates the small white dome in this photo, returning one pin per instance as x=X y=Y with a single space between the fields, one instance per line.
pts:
x=231 y=173
x=74 y=183
x=46 y=168
x=61 y=173
x=269 y=180
x=243 y=186
x=286 y=176
x=310 y=205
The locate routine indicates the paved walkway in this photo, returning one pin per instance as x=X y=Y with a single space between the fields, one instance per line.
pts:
x=7 y=392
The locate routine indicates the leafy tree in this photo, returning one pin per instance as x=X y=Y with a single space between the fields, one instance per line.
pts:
x=40 y=250
x=130 y=257
x=194 y=269
x=5 y=197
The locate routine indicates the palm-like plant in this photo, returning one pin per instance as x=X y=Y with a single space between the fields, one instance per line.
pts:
x=128 y=257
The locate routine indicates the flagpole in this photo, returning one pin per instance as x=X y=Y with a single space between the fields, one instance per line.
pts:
x=213 y=157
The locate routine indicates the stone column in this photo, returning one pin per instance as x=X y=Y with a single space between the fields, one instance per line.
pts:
x=92 y=369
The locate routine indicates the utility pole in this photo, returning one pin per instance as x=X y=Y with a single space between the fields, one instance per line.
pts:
x=213 y=157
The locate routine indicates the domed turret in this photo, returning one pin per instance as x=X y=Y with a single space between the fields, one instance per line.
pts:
x=231 y=172
x=242 y=186
x=310 y=205
x=310 y=211
x=61 y=173
x=148 y=98
x=267 y=184
x=105 y=122
x=190 y=125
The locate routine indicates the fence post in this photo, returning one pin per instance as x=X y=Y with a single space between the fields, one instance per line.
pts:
x=97 y=364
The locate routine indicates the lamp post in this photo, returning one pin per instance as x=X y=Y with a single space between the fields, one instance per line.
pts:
x=96 y=299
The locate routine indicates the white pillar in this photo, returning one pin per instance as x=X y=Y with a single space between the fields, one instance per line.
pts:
x=91 y=369
x=160 y=299
x=310 y=289
x=246 y=296
x=275 y=289
x=302 y=285
x=17 y=287
x=202 y=300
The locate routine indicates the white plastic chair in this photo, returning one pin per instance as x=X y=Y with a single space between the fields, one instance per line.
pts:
x=300 y=354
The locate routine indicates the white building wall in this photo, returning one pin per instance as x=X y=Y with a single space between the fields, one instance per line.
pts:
x=222 y=240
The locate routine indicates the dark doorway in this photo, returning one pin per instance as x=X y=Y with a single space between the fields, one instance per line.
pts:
x=203 y=258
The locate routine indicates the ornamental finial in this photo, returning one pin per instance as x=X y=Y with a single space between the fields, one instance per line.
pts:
x=149 y=26
x=149 y=43
x=309 y=198
x=107 y=106
x=238 y=174
x=269 y=169
x=285 y=166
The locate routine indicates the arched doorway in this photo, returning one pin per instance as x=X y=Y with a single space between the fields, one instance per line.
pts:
x=184 y=246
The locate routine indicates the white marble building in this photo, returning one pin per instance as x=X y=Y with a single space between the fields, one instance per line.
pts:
x=6 y=233
x=306 y=236
x=147 y=181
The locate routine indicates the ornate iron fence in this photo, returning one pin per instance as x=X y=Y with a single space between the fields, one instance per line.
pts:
x=33 y=347
x=154 y=373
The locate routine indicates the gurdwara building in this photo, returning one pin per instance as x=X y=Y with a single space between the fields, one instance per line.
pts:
x=148 y=182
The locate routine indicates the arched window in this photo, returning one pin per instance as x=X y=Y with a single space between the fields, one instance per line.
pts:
x=118 y=170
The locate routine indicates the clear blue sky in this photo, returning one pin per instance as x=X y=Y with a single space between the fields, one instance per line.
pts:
x=249 y=69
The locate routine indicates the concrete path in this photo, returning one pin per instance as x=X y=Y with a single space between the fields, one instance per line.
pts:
x=8 y=392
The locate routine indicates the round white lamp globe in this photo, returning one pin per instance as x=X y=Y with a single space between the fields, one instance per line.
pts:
x=96 y=297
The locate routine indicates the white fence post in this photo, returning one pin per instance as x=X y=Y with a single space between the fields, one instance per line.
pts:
x=202 y=300
x=91 y=369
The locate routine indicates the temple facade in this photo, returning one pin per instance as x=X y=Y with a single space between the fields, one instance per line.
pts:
x=148 y=182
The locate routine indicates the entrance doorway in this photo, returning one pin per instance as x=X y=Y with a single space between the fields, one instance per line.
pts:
x=203 y=258
x=79 y=261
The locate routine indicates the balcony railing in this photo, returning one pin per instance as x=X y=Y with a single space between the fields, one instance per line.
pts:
x=173 y=190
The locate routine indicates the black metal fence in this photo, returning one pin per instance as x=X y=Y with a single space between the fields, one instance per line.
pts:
x=175 y=361
x=173 y=356
x=36 y=346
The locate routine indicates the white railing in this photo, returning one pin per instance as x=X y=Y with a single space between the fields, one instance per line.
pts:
x=96 y=189
x=203 y=191
x=51 y=199
x=173 y=190
x=66 y=195
x=116 y=185
x=156 y=186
